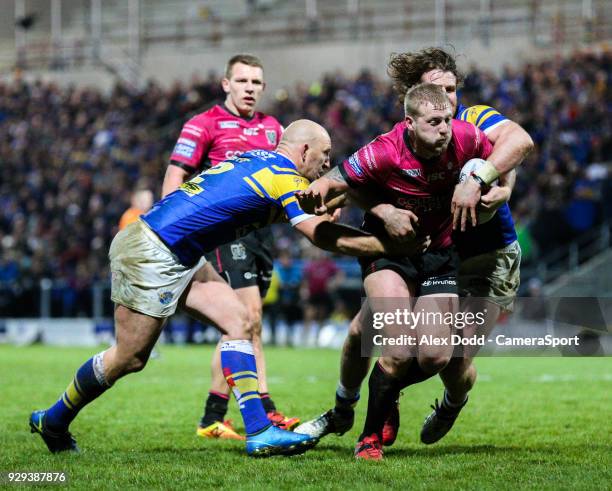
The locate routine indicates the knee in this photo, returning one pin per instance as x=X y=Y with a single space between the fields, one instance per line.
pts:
x=133 y=363
x=394 y=365
x=433 y=364
x=240 y=326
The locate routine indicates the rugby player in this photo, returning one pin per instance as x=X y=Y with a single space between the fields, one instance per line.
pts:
x=489 y=269
x=207 y=139
x=415 y=167
x=154 y=259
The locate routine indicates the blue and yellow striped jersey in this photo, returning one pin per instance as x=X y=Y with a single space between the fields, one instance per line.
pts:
x=499 y=231
x=226 y=202
x=484 y=117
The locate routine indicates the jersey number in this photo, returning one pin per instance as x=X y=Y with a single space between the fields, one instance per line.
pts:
x=220 y=168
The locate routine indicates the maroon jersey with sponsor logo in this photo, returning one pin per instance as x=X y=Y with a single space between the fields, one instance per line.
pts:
x=217 y=134
x=424 y=187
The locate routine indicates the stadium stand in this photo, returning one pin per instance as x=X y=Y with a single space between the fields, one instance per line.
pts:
x=72 y=155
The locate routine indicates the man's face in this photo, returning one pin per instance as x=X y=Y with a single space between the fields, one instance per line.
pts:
x=243 y=88
x=432 y=128
x=446 y=80
x=315 y=158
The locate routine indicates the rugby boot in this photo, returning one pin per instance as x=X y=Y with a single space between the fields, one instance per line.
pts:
x=56 y=441
x=391 y=427
x=369 y=448
x=220 y=429
x=281 y=421
x=439 y=422
x=333 y=421
x=274 y=441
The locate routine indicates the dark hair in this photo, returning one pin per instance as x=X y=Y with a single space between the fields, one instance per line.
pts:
x=406 y=69
x=423 y=93
x=245 y=59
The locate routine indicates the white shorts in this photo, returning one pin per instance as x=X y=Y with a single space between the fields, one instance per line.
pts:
x=145 y=275
x=494 y=275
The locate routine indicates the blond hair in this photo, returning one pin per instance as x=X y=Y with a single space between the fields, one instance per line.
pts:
x=422 y=94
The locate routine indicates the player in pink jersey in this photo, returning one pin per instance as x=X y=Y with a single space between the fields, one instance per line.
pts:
x=224 y=131
x=414 y=167
x=490 y=257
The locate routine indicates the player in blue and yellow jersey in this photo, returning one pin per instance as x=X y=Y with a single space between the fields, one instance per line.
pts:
x=489 y=253
x=154 y=259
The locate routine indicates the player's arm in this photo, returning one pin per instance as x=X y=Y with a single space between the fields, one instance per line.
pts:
x=499 y=195
x=176 y=174
x=191 y=148
x=351 y=241
x=511 y=144
x=400 y=224
x=323 y=192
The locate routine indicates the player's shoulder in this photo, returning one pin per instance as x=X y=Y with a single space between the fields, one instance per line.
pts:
x=266 y=119
x=392 y=141
x=481 y=115
x=206 y=118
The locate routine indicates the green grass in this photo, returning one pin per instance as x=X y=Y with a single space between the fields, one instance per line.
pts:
x=540 y=423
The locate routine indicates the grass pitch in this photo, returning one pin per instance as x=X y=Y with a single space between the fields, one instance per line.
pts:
x=540 y=423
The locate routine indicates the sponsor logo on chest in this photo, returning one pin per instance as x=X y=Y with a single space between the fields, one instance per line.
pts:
x=227 y=125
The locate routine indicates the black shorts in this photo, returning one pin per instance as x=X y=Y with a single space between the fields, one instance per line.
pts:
x=432 y=272
x=246 y=261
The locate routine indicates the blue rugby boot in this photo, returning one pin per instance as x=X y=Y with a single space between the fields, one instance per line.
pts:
x=275 y=441
x=56 y=442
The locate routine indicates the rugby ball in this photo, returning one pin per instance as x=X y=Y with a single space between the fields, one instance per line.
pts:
x=466 y=171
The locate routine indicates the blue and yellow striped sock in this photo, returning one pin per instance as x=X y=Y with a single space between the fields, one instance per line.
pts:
x=240 y=371
x=87 y=385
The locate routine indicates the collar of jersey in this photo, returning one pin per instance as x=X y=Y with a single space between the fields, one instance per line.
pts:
x=227 y=110
x=286 y=162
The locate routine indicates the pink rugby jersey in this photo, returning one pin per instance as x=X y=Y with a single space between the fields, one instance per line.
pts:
x=217 y=134
x=424 y=187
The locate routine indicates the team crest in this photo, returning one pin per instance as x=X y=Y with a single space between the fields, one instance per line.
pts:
x=165 y=297
x=238 y=252
x=271 y=136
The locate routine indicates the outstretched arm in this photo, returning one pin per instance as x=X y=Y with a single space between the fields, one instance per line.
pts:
x=329 y=192
x=353 y=242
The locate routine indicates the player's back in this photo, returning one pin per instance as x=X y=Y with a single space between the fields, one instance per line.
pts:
x=225 y=202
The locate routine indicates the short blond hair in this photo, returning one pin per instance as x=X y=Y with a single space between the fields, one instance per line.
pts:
x=245 y=59
x=422 y=94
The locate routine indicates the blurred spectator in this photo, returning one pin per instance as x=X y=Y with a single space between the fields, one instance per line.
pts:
x=70 y=156
x=321 y=278
x=142 y=201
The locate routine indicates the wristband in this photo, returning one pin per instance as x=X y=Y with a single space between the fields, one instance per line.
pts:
x=487 y=173
x=479 y=180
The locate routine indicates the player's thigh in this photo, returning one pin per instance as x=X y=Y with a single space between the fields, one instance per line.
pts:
x=208 y=273
x=387 y=292
x=216 y=303
x=494 y=276
x=482 y=314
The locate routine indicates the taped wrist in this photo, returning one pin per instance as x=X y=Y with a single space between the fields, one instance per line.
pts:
x=487 y=173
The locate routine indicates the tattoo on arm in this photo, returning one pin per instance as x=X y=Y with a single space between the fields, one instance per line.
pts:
x=335 y=175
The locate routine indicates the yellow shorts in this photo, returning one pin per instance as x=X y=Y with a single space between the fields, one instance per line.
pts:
x=145 y=275
x=494 y=275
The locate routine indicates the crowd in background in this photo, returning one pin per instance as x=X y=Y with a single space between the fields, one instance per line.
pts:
x=70 y=158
